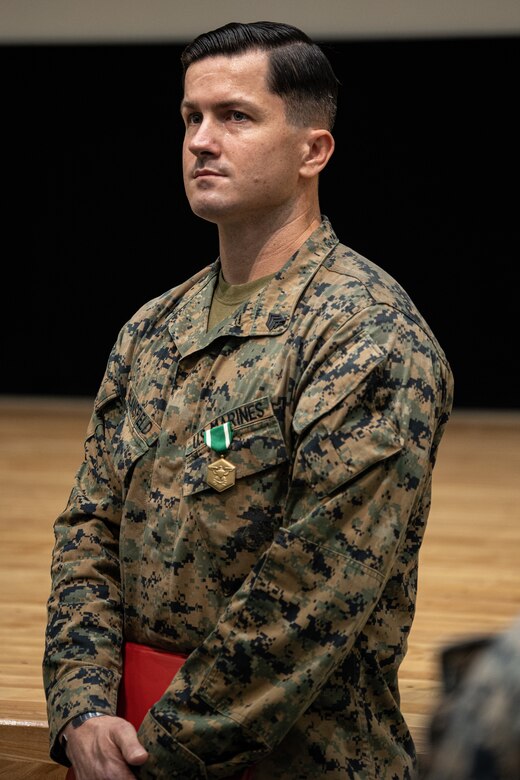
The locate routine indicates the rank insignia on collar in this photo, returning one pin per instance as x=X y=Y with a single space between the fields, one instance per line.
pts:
x=275 y=320
x=221 y=473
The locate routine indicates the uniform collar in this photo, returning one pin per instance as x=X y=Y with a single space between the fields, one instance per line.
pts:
x=266 y=314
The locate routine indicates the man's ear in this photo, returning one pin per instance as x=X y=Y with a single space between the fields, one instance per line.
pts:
x=319 y=146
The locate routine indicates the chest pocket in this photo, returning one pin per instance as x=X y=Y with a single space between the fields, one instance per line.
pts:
x=129 y=446
x=129 y=431
x=256 y=446
x=236 y=525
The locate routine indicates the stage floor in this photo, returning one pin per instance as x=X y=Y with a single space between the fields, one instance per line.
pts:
x=469 y=579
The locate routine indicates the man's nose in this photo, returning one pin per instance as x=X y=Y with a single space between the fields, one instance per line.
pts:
x=204 y=139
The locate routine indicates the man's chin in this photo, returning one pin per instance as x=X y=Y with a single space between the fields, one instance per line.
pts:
x=211 y=211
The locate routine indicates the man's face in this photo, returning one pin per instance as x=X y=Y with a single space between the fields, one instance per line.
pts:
x=241 y=158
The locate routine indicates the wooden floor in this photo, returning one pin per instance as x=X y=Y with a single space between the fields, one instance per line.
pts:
x=469 y=579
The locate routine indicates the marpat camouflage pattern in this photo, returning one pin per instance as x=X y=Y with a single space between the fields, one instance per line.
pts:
x=475 y=731
x=293 y=591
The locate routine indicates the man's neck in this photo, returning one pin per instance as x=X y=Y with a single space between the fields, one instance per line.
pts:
x=254 y=249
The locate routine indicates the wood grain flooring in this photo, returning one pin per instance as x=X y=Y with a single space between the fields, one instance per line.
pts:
x=469 y=575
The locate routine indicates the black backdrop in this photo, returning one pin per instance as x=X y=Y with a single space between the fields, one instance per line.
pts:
x=424 y=181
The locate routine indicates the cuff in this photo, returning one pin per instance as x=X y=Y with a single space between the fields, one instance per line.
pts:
x=87 y=688
x=167 y=757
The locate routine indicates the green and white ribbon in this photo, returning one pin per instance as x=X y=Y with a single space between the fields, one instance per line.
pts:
x=219 y=438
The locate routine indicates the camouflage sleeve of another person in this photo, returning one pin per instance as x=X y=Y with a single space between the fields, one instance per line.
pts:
x=366 y=427
x=81 y=666
x=475 y=732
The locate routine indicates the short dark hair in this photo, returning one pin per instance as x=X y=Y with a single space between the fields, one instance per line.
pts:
x=299 y=72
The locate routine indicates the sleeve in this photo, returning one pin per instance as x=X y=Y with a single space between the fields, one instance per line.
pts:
x=366 y=428
x=475 y=730
x=82 y=659
x=81 y=665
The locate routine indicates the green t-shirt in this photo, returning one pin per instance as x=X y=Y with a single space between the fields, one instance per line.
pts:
x=228 y=297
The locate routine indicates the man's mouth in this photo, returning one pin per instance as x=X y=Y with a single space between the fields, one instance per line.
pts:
x=206 y=172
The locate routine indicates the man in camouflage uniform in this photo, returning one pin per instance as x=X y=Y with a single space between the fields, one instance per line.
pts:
x=253 y=495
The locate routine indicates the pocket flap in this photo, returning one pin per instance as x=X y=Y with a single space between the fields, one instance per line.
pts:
x=330 y=460
x=255 y=447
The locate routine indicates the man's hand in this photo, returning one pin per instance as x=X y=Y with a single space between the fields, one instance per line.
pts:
x=102 y=748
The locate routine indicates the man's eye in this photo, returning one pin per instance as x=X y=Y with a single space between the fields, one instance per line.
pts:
x=238 y=116
x=194 y=119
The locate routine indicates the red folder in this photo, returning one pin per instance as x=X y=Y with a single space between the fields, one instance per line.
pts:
x=147 y=673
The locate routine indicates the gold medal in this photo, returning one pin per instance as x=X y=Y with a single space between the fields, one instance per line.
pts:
x=221 y=475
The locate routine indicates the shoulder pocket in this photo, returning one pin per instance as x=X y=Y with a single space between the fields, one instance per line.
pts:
x=335 y=379
x=329 y=460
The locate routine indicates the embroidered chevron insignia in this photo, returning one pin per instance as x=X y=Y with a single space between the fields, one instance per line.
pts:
x=275 y=320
